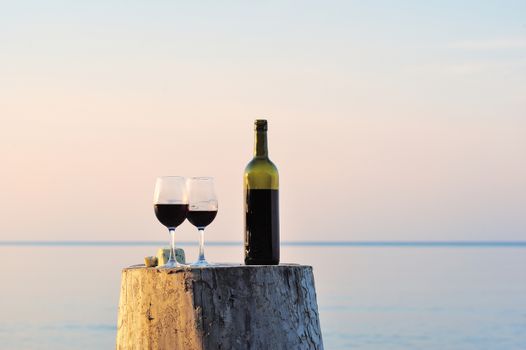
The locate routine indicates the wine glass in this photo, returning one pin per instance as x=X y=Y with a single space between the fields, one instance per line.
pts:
x=170 y=201
x=202 y=210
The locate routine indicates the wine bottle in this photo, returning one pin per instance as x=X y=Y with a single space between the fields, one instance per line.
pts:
x=261 y=185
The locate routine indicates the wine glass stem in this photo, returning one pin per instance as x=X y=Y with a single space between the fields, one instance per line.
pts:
x=201 y=244
x=172 y=245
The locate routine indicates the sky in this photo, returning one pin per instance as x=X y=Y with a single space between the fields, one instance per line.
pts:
x=387 y=120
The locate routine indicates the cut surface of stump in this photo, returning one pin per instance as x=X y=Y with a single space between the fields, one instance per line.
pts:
x=219 y=307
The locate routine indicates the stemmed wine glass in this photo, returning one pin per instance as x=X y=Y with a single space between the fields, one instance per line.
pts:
x=202 y=210
x=170 y=201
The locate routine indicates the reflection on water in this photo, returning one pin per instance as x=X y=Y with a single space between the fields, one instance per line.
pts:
x=369 y=297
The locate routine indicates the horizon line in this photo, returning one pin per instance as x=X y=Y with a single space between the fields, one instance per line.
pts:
x=448 y=243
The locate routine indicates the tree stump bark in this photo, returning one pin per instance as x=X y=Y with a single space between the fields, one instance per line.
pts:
x=219 y=307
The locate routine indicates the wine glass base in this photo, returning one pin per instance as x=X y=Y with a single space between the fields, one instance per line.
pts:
x=172 y=264
x=201 y=263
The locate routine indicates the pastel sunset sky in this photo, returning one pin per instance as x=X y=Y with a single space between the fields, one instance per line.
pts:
x=387 y=120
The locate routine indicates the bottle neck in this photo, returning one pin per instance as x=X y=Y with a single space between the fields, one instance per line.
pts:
x=260 y=144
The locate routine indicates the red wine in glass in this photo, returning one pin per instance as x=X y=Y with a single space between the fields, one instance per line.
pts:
x=171 y=215
x=201 y=218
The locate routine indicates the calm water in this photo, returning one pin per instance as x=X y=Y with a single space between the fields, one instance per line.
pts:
x=369 y=297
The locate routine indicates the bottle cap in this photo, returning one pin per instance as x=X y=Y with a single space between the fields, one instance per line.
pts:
x=260 y=125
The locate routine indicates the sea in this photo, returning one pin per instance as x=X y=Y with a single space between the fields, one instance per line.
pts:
x=371 y=295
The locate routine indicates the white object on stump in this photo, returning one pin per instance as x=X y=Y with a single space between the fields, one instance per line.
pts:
x=163 y=255
x=219 y=307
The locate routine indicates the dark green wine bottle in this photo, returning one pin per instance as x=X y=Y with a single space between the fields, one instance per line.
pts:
x=261 y=185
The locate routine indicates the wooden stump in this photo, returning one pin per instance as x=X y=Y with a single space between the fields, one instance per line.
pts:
x=219 y=307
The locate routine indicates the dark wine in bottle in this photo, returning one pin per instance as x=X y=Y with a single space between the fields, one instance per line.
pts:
x=171 y=215
x=201 y=218
x=261 y=189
